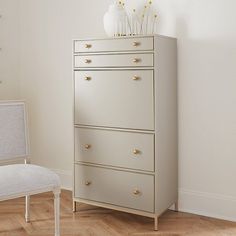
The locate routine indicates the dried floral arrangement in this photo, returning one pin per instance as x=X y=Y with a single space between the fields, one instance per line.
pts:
x=138 y=22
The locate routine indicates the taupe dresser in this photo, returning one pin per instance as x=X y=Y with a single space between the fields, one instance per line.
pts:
x=125 y=124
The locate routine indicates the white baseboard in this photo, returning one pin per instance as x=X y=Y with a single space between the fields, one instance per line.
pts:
x=200 y=203
x=207 y=204
x=66 y=178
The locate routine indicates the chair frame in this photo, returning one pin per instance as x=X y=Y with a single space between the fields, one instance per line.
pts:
x=26 y=158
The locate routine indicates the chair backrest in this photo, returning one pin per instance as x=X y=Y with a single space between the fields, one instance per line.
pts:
x=13 y=131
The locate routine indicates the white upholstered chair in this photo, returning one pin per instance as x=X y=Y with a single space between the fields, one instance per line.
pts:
x=19 y=180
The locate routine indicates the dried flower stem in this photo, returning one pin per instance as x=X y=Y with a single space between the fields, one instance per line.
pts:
x=145 y=10
x=154 y=22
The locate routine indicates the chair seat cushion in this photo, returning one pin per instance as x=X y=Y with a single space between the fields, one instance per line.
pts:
x=18 y=179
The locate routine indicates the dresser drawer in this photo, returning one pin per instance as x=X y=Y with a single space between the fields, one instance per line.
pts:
x=115 y=187
x=118 y=60
x=113 y=45
x=115 y=98
x=115 y=148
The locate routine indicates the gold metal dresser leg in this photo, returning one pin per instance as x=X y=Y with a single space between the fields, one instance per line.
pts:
x=176 y=206
x=156 y=223
x=74 y=206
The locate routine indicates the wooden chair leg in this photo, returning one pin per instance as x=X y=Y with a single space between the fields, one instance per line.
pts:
x=27 y=209
x=57 y=213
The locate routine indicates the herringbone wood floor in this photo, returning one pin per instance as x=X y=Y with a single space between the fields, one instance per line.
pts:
x=94 y=221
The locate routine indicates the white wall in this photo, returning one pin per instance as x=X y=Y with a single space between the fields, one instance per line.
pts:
x=47 y=30
x=9 y=52
x=206 y=32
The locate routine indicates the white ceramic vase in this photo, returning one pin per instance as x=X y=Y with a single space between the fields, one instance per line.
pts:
x=115 y=20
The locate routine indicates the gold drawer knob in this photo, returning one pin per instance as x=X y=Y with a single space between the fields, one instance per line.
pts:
x=87 y=183
x=87 y=146
x=88 y=45
x=87 y=61
x=136 y=77
x=87 y=78
x=136 y=151
x=136 y=44
x=136 y=60
x=136 y=192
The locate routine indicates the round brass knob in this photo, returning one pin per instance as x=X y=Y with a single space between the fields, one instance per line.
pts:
x=136 y=192
x=87 y=78
x=136 y=77
x=136 y=44
x=87 y=146
x=87 y=61
x=136 y=151
x=136 y=60
x=88 y=45
x=87 y=183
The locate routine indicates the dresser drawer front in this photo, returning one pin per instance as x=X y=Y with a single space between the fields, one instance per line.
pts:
x=112 y=45
x=115 y=148
x=118 y=60
x=115 y=99
x=115 y=187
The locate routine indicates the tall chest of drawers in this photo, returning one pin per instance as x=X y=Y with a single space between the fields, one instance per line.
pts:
x=125 y=124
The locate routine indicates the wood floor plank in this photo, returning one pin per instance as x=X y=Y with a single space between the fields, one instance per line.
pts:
x=96 y=221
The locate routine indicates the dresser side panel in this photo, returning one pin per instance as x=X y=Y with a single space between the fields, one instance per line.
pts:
x=166 y=145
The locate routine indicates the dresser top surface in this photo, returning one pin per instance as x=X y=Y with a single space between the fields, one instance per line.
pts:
x=125 y=37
